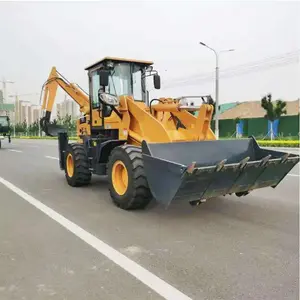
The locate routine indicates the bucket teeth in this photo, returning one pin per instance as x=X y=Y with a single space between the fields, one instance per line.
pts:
x=264 y=160
x=284 y=158
x=190 y=169
x=220 y=165
x=243 y=162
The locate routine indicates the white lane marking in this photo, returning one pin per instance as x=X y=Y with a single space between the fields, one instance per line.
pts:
x=161 y=287
x=52 y=157
x=13 y=150
x=293 y=175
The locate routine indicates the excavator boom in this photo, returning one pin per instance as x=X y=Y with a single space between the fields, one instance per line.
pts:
x=54 y=81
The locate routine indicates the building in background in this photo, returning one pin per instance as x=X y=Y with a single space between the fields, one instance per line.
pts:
x=24 y=115
x=20 y=110
x=35 y=113
x=253 y=109
x=25 y=112
x=67 y=107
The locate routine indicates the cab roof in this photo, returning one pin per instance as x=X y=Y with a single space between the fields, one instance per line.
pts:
x=118 y=59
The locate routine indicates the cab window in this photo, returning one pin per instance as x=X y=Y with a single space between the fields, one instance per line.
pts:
x=95 y=81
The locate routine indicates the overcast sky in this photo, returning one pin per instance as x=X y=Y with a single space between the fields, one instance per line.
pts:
x=72 y=35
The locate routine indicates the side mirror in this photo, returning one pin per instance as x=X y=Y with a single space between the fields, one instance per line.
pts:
x=156 y=81
x=103 y=77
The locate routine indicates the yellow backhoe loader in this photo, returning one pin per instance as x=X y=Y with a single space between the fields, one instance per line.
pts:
x=153 y=149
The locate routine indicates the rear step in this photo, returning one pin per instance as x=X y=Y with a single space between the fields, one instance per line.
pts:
x=195 y=171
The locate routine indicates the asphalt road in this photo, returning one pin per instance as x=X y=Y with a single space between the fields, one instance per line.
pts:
x=227 y=248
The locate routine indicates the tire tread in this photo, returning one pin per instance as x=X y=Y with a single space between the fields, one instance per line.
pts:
x=83 y=174
x=141 y=192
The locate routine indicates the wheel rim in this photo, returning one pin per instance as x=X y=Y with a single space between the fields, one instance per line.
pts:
x=70 y=165
x=120 y=177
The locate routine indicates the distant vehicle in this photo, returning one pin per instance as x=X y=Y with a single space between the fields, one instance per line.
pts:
x=4 y=128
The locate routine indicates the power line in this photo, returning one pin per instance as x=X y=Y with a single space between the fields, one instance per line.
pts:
x=259 y=62
x=236 y=73
x=267 y=63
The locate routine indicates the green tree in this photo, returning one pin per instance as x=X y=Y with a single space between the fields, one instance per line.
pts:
x=69 y=124
x=29 y=130
x=35 y=127
x=21 y=128
x=59 y=119
x=18 y=128
x=274 y=110
x=73 y=127
x=24 y=126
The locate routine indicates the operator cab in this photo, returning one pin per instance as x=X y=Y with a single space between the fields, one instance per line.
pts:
x=118 y=76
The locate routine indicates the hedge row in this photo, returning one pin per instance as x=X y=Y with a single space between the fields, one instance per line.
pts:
x=278 y=143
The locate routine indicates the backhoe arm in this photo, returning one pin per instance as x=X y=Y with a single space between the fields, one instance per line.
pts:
x=50 y=89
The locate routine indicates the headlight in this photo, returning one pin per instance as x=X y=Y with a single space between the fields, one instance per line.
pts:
x=183 y=102
x=109 y=99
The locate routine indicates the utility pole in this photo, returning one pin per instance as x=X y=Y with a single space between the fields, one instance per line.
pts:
x=216 y=86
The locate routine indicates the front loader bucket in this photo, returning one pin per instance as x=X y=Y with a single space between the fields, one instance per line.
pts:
x=192 y=171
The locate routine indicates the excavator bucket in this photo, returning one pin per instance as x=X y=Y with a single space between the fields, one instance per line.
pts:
x=54 y=129
x=51 y=129
x=193 y=171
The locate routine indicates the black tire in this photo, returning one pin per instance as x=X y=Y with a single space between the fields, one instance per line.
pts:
x=81 y=174
x=137 y=195
x=0 y=144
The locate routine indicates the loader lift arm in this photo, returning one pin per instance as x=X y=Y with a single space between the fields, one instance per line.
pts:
x=54 y=80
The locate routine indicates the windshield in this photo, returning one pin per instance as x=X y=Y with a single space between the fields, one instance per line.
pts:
x=125 y=79
x=3 y=121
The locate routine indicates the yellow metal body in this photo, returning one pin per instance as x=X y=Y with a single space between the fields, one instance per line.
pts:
x=161 y=125
x=136 y=123
x=55 y=80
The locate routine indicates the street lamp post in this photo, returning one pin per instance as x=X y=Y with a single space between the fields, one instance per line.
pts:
x=216 y=86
